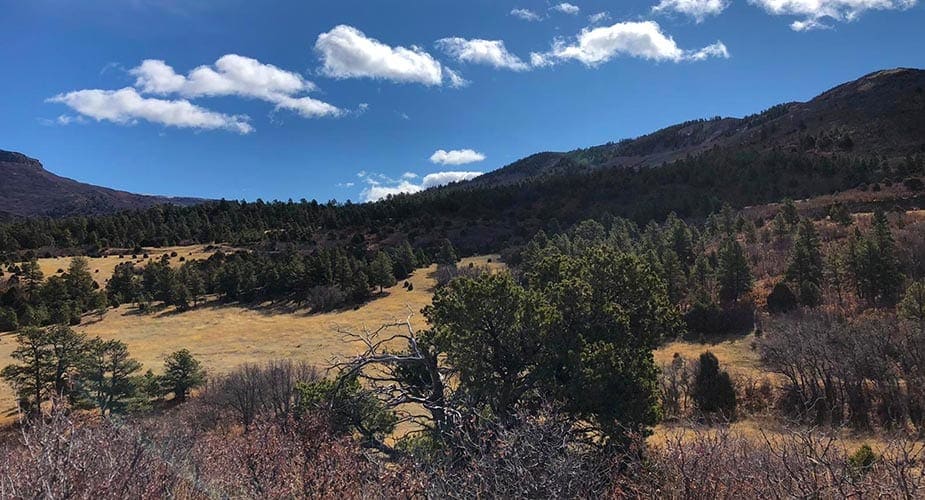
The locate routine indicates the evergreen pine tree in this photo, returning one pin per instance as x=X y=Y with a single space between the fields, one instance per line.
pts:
x=733 y=273
x=380 y=272
x=447 y=253
x=805 y=268
x=182 y=373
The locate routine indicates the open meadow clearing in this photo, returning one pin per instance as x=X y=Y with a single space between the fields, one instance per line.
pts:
x=103 y=267
x=223 y=337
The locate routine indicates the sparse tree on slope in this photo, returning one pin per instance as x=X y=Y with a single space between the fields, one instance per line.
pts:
x=106 y=372
x=182 y=373
x=380 y=272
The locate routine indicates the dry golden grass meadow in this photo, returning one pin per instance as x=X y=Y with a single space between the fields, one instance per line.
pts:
x=225 y=336
x=103 y=267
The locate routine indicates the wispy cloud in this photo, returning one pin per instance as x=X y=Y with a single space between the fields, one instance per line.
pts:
x=379 y=186
x=566 y=8
x=696 y=9
x=815 y=12
x=599 y=17
x=526 y=15
x=476 y=51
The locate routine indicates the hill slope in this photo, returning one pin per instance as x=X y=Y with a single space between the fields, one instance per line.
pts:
x=881 y=114
x=27 y=189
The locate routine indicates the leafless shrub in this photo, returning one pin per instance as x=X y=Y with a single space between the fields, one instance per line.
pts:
x=675 y=381
x=755 y=394
x=720 y=464
x=537 y=456
x=252 y=390
x=865 y=372
x=910 y=242
x=73 y=457
x=446 y=273
x=300 y=459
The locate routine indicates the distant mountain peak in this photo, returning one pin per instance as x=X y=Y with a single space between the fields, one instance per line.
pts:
x=27 y=189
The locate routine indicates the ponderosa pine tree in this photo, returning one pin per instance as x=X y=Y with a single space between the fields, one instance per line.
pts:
x=805 y=269
x=80 y=284
x=182 y=373
x=874 y=264
x=47 y=359
x=380 y=272
x=106 y=374
x=31 y=276
x=32 y=377
x=446 y=255
x=733 y=274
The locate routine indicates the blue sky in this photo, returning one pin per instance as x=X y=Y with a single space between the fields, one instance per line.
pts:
x=353 y=99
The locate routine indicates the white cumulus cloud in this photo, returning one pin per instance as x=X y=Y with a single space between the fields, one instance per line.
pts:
x=644 y=40
x=566 y=8
x=376 y=192
x=347 y=52
x=380 y=186
x=444 y=178
x=476 y=51
x=456 y=157
x=696 y=9
x=127 y=106
x=526 y=15
x=815 y=12
x=234 y=75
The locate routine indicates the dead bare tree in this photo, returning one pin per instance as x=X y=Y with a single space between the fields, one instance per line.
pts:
x=404 y=380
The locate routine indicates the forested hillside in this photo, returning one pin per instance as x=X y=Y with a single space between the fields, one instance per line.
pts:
x=480 y=219
x=880 y=114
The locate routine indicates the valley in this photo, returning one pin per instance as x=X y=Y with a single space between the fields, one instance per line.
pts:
x=728 y=307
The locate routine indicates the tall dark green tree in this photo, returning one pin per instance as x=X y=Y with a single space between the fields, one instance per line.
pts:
x=713 y=391
x=733 y=274
x=106 y=374
x=875 y=266
x=404 y=262
x=805 y=270
x=446 y=255
x=380 y=272
x=182 y=373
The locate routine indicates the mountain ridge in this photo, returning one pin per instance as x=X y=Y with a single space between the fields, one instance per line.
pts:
x=28 y=189
x=881 y=113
